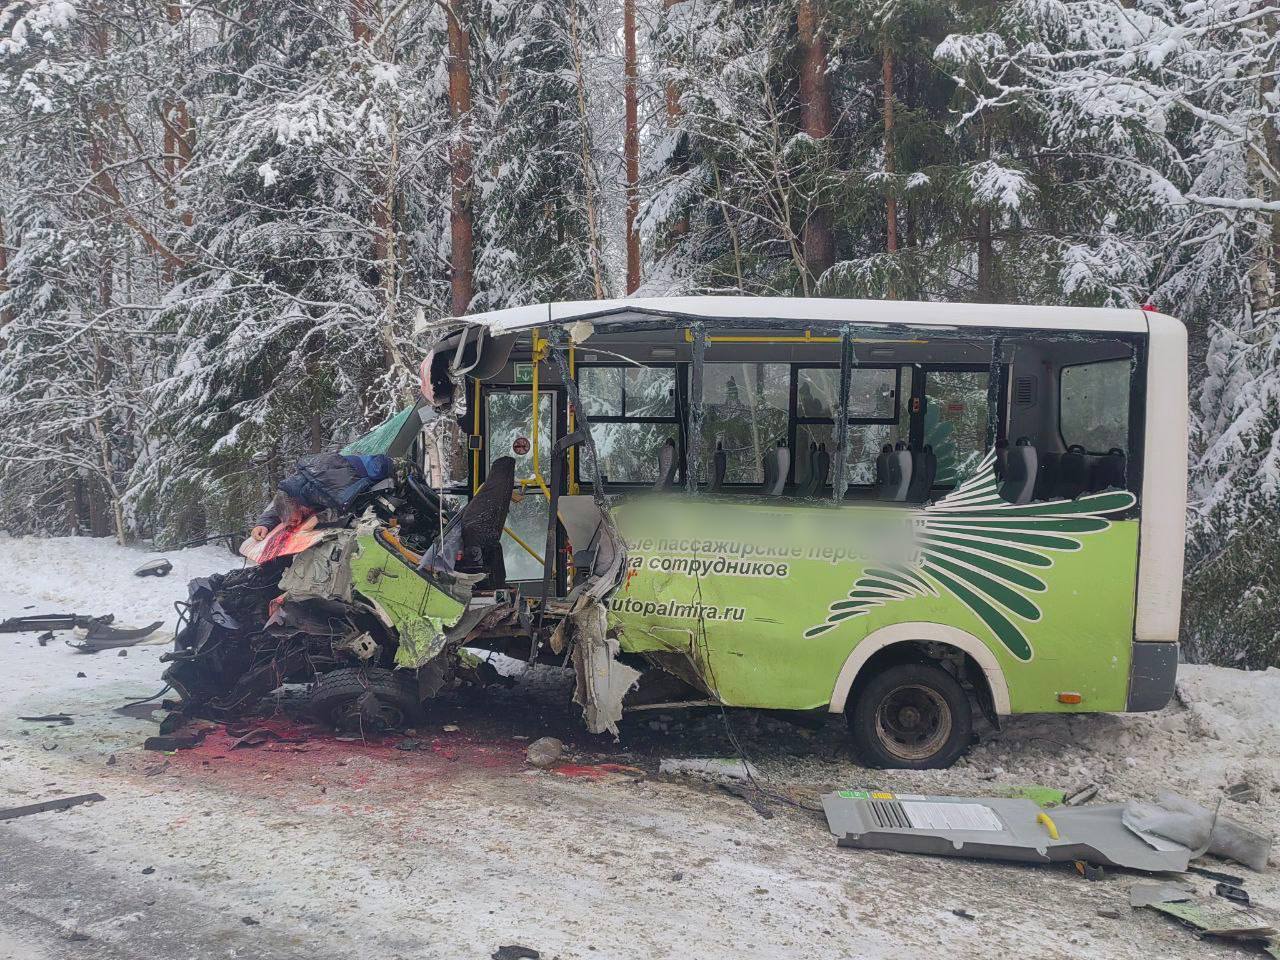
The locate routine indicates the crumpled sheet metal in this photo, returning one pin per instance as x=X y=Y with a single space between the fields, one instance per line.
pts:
x=993 y=828
x=1175 y=819
x=602 y=681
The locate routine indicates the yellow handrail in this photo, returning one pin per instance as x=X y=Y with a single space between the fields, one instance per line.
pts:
x=527 y=549
x=808 y=337
x=573 y=421
x=475 y=454
x=540 y=348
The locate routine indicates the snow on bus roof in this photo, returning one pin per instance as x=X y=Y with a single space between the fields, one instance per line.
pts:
x=816 y=310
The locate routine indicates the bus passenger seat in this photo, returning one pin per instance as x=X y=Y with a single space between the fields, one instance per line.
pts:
x=666 y=466
x=719 y=467
x=777 y=463
x=804 y=470
x=1002 y=458
x=1046 y=485
x=897 y=474
x=819 y=465
x=882 y=466
x=1109 y=471
x=924 y=470
x=1073 y=472
x=819 y=469
x=1021 y=473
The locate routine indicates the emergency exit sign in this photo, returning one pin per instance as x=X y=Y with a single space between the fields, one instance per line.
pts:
x=524 y=373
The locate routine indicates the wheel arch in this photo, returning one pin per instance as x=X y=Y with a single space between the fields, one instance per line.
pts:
x=916 y=632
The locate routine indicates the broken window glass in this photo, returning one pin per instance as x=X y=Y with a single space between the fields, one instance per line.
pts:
x=955 y=421
x=745 y=409
x=1094 y=407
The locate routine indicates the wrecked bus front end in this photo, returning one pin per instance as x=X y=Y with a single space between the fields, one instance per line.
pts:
x=346 y=610
x=374 y=627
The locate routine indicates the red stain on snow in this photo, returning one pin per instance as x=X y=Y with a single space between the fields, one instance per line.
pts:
x=310 y=759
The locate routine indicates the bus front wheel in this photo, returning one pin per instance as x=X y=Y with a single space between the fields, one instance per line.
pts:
x=912 y=716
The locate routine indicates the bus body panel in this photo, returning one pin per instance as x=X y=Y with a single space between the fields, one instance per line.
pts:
x=767 y=600
x=1164 y=483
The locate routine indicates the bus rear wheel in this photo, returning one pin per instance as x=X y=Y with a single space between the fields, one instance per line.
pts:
x=911 y=716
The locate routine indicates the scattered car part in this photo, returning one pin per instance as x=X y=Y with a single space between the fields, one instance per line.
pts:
x=62 y=803
x=1217 y=875
x=1041 y=796
x=1177 y=819
x=183 y=741
x=1229 y=891
x=1145 y=894
x=257 y=737
x=1243 y=792
x=52 y=621
x=154 y=568
x=100 y=636
x=993 y=828
x=716 y=768
x=1210 y=918
x=44 y=638
x=602 y=679
x=515 y=951
x=1089 y=871
x=61 y=718
x=1081 y=795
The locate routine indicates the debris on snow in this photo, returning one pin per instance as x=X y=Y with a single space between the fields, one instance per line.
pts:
x=545 y=752
x=11 y=813
x=730 y=768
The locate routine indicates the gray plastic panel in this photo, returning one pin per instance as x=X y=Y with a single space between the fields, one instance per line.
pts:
x=991 y=828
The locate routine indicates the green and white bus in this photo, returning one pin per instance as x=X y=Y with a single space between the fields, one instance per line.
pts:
x=902 y=512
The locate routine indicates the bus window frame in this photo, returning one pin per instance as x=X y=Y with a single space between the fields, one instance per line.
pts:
x=796 y=421
x=679 y=400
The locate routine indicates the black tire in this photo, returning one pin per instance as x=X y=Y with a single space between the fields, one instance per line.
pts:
x=910 y=716
x=367 y=700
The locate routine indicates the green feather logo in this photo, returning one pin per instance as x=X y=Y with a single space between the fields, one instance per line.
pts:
x=985 y=552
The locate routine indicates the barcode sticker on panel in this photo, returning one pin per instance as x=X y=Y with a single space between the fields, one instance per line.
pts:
x=951 y=816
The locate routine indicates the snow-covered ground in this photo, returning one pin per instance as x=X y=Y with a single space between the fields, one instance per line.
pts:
x=330 y=848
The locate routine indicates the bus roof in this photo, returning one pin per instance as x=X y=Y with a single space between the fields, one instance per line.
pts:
x=817 y=310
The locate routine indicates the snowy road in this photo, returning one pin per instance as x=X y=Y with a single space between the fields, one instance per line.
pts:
x=337 y=849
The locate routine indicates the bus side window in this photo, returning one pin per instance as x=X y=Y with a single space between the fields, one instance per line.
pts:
x=878 y=414
x=745 y=412
x=1093 y=420
x=633 y=414
x=1093 y=408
